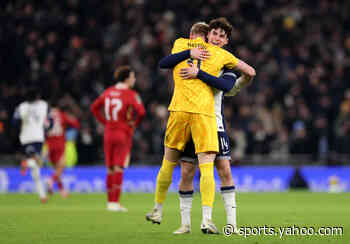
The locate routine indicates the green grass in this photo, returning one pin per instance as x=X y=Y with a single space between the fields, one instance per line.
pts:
x=82 y=219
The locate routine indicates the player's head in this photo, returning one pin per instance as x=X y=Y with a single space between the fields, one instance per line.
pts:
x=199 y=29
x=219 y=31
x=32 y=94
x=125 y=75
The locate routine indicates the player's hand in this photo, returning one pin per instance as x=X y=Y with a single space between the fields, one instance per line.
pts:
x=190 y=72
x=199 y=53
x=129 y=117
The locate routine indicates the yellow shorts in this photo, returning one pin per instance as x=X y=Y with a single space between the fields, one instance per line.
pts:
x=182 y=125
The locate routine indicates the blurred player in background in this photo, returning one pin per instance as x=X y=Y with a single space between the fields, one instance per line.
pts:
x=123 y=111
x=32 y=117
x=191 y=114
x=56 y=143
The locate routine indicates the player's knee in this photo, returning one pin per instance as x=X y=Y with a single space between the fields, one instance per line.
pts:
x=118 y=169
x=187 y=176
x=188 y=170
x=113 y=169
x=225 y=174
x=110 y=170
x=171 y=155
x=62 y=161
x=206 y=157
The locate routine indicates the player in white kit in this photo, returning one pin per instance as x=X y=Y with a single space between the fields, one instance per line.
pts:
x=32 y=117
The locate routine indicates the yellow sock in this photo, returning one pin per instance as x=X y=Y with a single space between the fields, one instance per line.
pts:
x=207 y=184
x=165 y=176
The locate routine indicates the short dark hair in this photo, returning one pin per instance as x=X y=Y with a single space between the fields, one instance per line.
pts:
x=32 y=94
x=122 y=73
x=221 y=23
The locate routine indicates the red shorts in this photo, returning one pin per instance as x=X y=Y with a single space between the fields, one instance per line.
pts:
x=56 y=152
x=117 y=147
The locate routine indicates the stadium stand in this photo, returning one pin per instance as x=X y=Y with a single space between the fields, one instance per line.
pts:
x=297 y=110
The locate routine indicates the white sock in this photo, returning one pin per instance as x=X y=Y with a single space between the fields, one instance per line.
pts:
x=31 y=163
x=185 y=207
x=229 y=198
x=38 y=184
x=159 y=206
x=206 y=212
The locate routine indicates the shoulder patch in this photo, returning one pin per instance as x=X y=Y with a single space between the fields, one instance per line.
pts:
x=138 y=99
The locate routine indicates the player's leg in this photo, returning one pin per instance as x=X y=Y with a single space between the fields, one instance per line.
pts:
x=227 y=190
x=108 y=152
x=223 y=166
x=111 y=196
x=206 y=149
x=120 y=156
x=33 y=151
x=114 y=185
x=188 y=170
x=24 y=166
x=50 y=182
x=53 y=159
x=58 y=173
x=207 y=190
x=57 y=159
x=164 y=179
x=165 y=174
x=116 y=174
x=176 y=136
x=118 y=181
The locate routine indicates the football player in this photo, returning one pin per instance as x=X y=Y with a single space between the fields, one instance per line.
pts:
x=32 y=117
x=123 y=111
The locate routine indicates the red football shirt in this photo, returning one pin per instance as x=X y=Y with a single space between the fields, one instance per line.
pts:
x=61 y=121
x=123 y=108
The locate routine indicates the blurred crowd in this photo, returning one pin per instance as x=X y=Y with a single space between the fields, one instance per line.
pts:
x=299 y=102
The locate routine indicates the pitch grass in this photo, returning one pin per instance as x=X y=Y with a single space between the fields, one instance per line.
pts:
x=82 y=219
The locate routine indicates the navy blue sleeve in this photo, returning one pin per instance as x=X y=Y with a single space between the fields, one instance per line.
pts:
x=50 y=120
x=172 y=60
x=16 y=121
x=224 y=83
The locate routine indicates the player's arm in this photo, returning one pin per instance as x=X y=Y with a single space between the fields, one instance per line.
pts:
x=71 y=121
x=96 y=107
x=224 y=83
x=139 y=109
x=16 y=121
x=241 y=82
x=49 y=120
x=172 y=60
x=247 y=76
x=247 y=71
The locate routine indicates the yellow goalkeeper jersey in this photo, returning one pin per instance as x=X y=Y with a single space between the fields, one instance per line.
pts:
x=193 y=95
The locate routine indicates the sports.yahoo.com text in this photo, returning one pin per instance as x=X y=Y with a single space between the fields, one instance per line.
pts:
x=282 y=231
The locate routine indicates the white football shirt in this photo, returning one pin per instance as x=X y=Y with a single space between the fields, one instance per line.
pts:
x=33 y=117
x=218 y=98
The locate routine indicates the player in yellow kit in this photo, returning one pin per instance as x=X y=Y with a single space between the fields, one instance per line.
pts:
x=192 y=115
